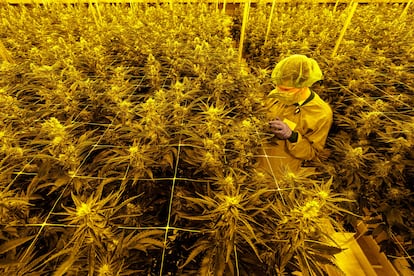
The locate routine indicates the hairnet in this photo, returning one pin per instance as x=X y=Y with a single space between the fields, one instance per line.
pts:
x=296 y=71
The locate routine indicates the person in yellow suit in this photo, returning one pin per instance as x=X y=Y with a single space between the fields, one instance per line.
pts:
x=298 y=118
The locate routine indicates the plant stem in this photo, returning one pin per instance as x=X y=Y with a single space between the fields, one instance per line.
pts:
x=237 y=261
x=5 y=55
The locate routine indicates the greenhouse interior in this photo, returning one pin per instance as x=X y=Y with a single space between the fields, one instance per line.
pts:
x=134 y=137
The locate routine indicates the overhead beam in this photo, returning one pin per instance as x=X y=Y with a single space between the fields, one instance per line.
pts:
x=193 y=1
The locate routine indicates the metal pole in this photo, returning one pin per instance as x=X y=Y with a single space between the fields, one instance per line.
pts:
x=336 y=4
x=244 y=24
x=270 y=20
x=404 y=13
x=224 y=6
x=348 y=20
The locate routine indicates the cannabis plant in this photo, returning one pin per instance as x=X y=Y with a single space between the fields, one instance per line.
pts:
x=129 y=135
x=367 y=83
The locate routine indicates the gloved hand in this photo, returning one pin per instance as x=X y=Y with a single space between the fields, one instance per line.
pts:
x=280 y=129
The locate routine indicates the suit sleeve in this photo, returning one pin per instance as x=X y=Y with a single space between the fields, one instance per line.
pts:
x=310 y=144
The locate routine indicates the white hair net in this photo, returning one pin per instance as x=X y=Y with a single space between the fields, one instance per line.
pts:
x=296 y=71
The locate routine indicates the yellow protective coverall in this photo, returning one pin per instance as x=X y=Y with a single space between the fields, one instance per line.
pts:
x=312 y=123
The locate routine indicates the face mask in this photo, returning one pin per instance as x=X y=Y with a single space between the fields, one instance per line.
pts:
x=286 y=97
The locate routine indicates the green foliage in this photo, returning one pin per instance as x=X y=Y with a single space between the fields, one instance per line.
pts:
x=369 y=85
x=128 y=140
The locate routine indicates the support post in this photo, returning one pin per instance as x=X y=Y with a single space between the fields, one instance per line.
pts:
x=348 y=20
x=269 y=24
x=244 y=24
